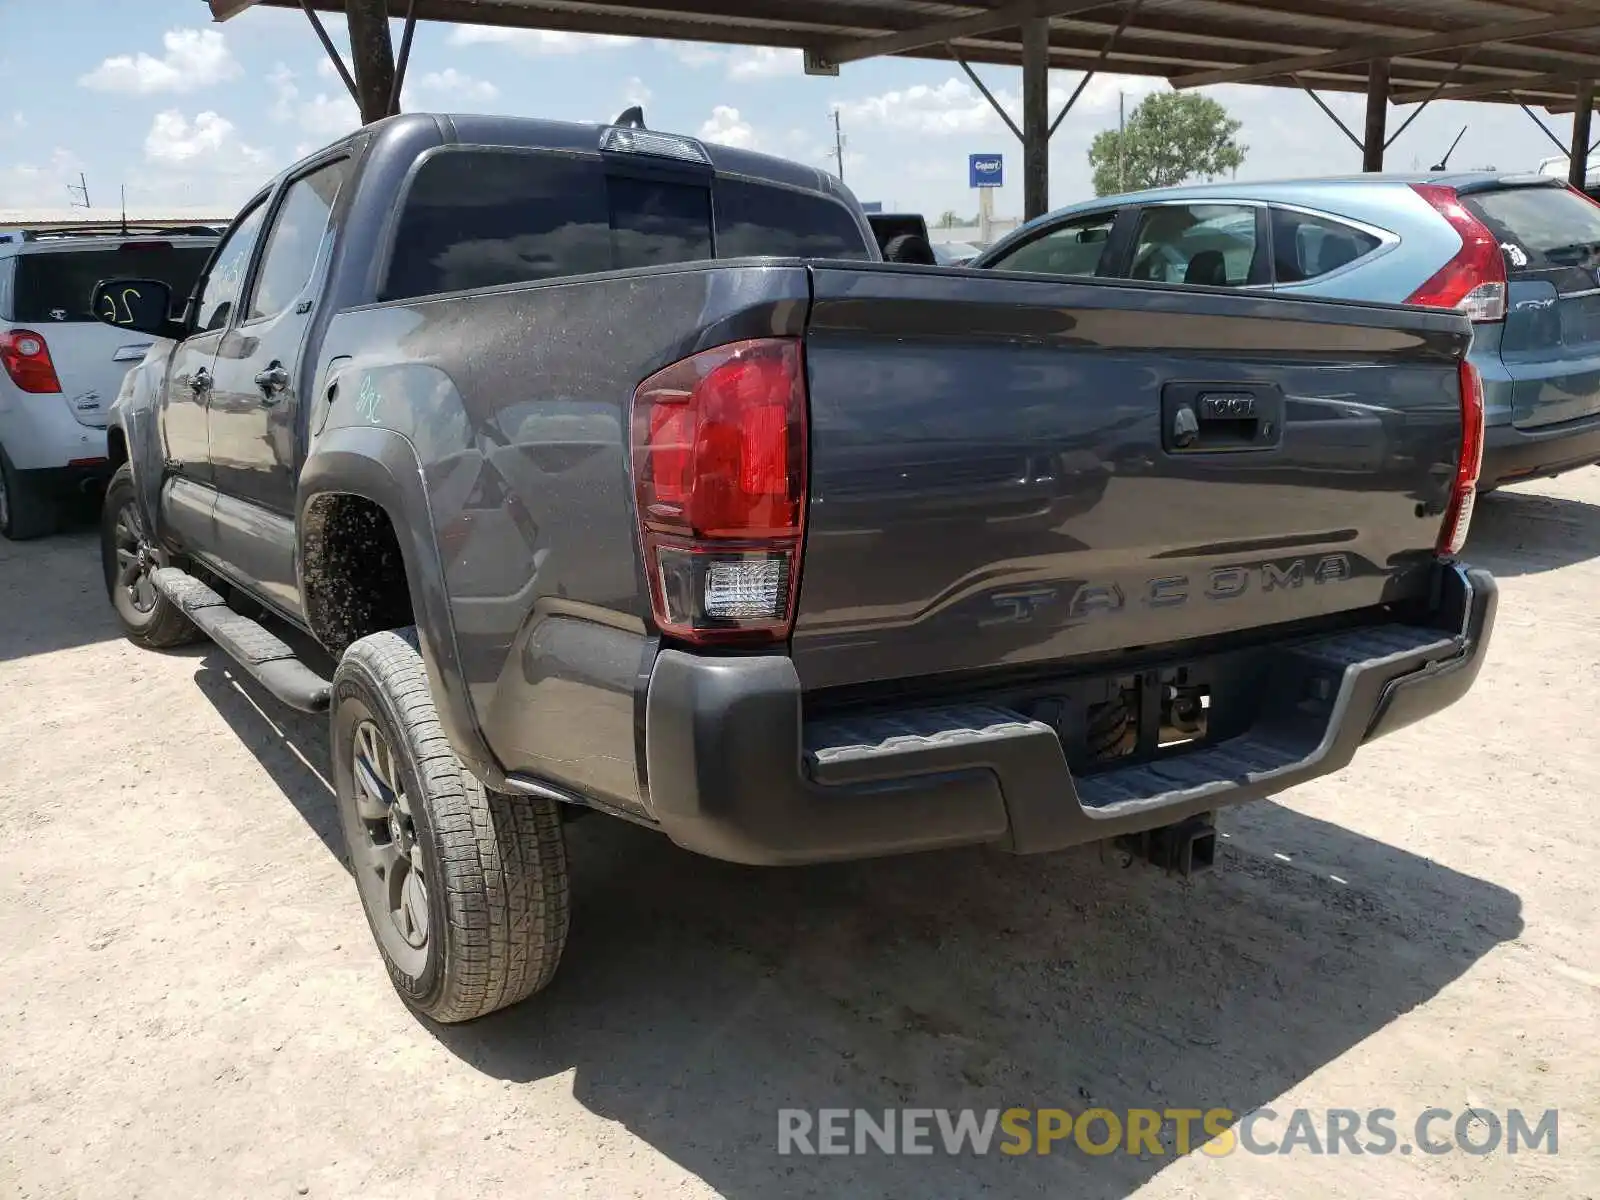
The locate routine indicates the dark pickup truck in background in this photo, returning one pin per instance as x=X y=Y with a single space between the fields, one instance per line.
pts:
x=609 y=470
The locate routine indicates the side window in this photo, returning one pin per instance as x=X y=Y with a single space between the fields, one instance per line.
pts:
x=1304 y=246
x=477 y=218
x=303 y=223
x=6 y=271
x=1209 y=244
x=1075 y=248
x=226 y=277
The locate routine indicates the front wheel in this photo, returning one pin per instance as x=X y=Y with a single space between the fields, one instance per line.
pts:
x=465 y=890
x=129 y=558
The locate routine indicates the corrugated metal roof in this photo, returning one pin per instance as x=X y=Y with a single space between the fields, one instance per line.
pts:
x=1530 y=50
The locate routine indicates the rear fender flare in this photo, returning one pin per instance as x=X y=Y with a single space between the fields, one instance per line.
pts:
x=381 y=466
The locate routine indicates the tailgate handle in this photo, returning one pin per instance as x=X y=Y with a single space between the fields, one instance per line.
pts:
x=1201 y=418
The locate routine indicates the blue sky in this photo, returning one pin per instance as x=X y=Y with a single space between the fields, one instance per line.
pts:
x=150 y=94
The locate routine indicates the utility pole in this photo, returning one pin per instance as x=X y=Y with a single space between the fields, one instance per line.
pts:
x=838 y=144
x=80 y=192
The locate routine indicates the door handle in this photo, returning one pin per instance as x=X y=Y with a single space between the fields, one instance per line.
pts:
x=200 y=381
x=272 y=381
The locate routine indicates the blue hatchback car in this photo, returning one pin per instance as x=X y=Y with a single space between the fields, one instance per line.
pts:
x=1518 y=254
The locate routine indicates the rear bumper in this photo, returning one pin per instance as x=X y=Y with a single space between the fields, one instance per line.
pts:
x=736 y=773
x=1510 y=454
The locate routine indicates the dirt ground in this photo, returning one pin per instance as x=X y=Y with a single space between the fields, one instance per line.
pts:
x=190 y=1005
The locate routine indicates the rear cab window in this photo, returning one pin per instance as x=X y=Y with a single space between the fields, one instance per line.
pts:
x=490 y=217
x=52 y=285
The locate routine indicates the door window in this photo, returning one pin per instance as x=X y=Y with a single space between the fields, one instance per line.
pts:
x=1075 y=248
x=225 y=280
x=304 y=222
x=1209 y=244
x=1306 y=246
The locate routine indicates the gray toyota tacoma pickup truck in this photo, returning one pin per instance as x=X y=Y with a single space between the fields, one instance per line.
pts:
x=576 y=467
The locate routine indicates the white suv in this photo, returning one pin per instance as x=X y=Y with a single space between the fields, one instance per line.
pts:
x=61 y=367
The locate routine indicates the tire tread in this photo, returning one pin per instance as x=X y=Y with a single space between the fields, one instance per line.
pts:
x=502 y=858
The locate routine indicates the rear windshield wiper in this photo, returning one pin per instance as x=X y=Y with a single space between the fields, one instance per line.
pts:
x=1573 y=255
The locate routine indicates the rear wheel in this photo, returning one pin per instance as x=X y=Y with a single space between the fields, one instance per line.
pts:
x=129 y=558
x=26 y=511
x=465 y=890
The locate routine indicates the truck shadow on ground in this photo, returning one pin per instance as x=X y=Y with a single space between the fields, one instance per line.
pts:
x=1527 y=533
x=698 y=999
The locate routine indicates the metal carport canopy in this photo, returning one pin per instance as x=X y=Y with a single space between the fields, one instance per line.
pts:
x=1525 y=52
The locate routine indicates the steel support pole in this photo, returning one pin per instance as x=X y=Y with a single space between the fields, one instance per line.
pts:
x=1035 y=117
x=372 y=55
x=1377 y=115
x=1582 y=116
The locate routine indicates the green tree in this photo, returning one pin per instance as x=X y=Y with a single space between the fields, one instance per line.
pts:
x=1170 y=137
x=948 y=220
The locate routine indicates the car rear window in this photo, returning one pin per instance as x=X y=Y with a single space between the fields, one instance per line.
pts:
x=486 y=218
x=56 y=285
x=1540 y=227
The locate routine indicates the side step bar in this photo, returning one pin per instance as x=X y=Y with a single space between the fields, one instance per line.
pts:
x=254 y=647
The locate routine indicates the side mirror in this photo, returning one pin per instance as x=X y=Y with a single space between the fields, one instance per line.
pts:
x=142 y=305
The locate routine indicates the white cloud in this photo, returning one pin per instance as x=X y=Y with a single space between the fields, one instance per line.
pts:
x=451 y=85
x=956 y=107
x=328 y=117
x=29 y=184
x=727 y=128
x=534 y=41
x=175 y=140
x=328 y=114
x=326 y=69
x=764 y=62
x=636 y=92
x=194 y=59
x=696 y=54
x=284 y=93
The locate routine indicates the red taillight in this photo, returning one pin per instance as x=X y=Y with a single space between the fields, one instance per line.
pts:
x=719 y=468
x=1464 y=492
x=1474 y=281
x=26 y=359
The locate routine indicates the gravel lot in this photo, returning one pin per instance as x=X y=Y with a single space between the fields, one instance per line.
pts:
x=191 y=1006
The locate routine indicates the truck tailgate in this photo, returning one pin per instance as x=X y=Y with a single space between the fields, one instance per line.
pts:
x=1002 y=473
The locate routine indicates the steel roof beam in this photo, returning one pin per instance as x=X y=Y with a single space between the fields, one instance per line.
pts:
x=1383 y=47
x=1012 y=16
x=1500 y=87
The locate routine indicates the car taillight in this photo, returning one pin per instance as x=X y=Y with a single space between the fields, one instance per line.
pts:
x=1474 y=281
x=26 y=359
x=1464 y=491
x=719 y=469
